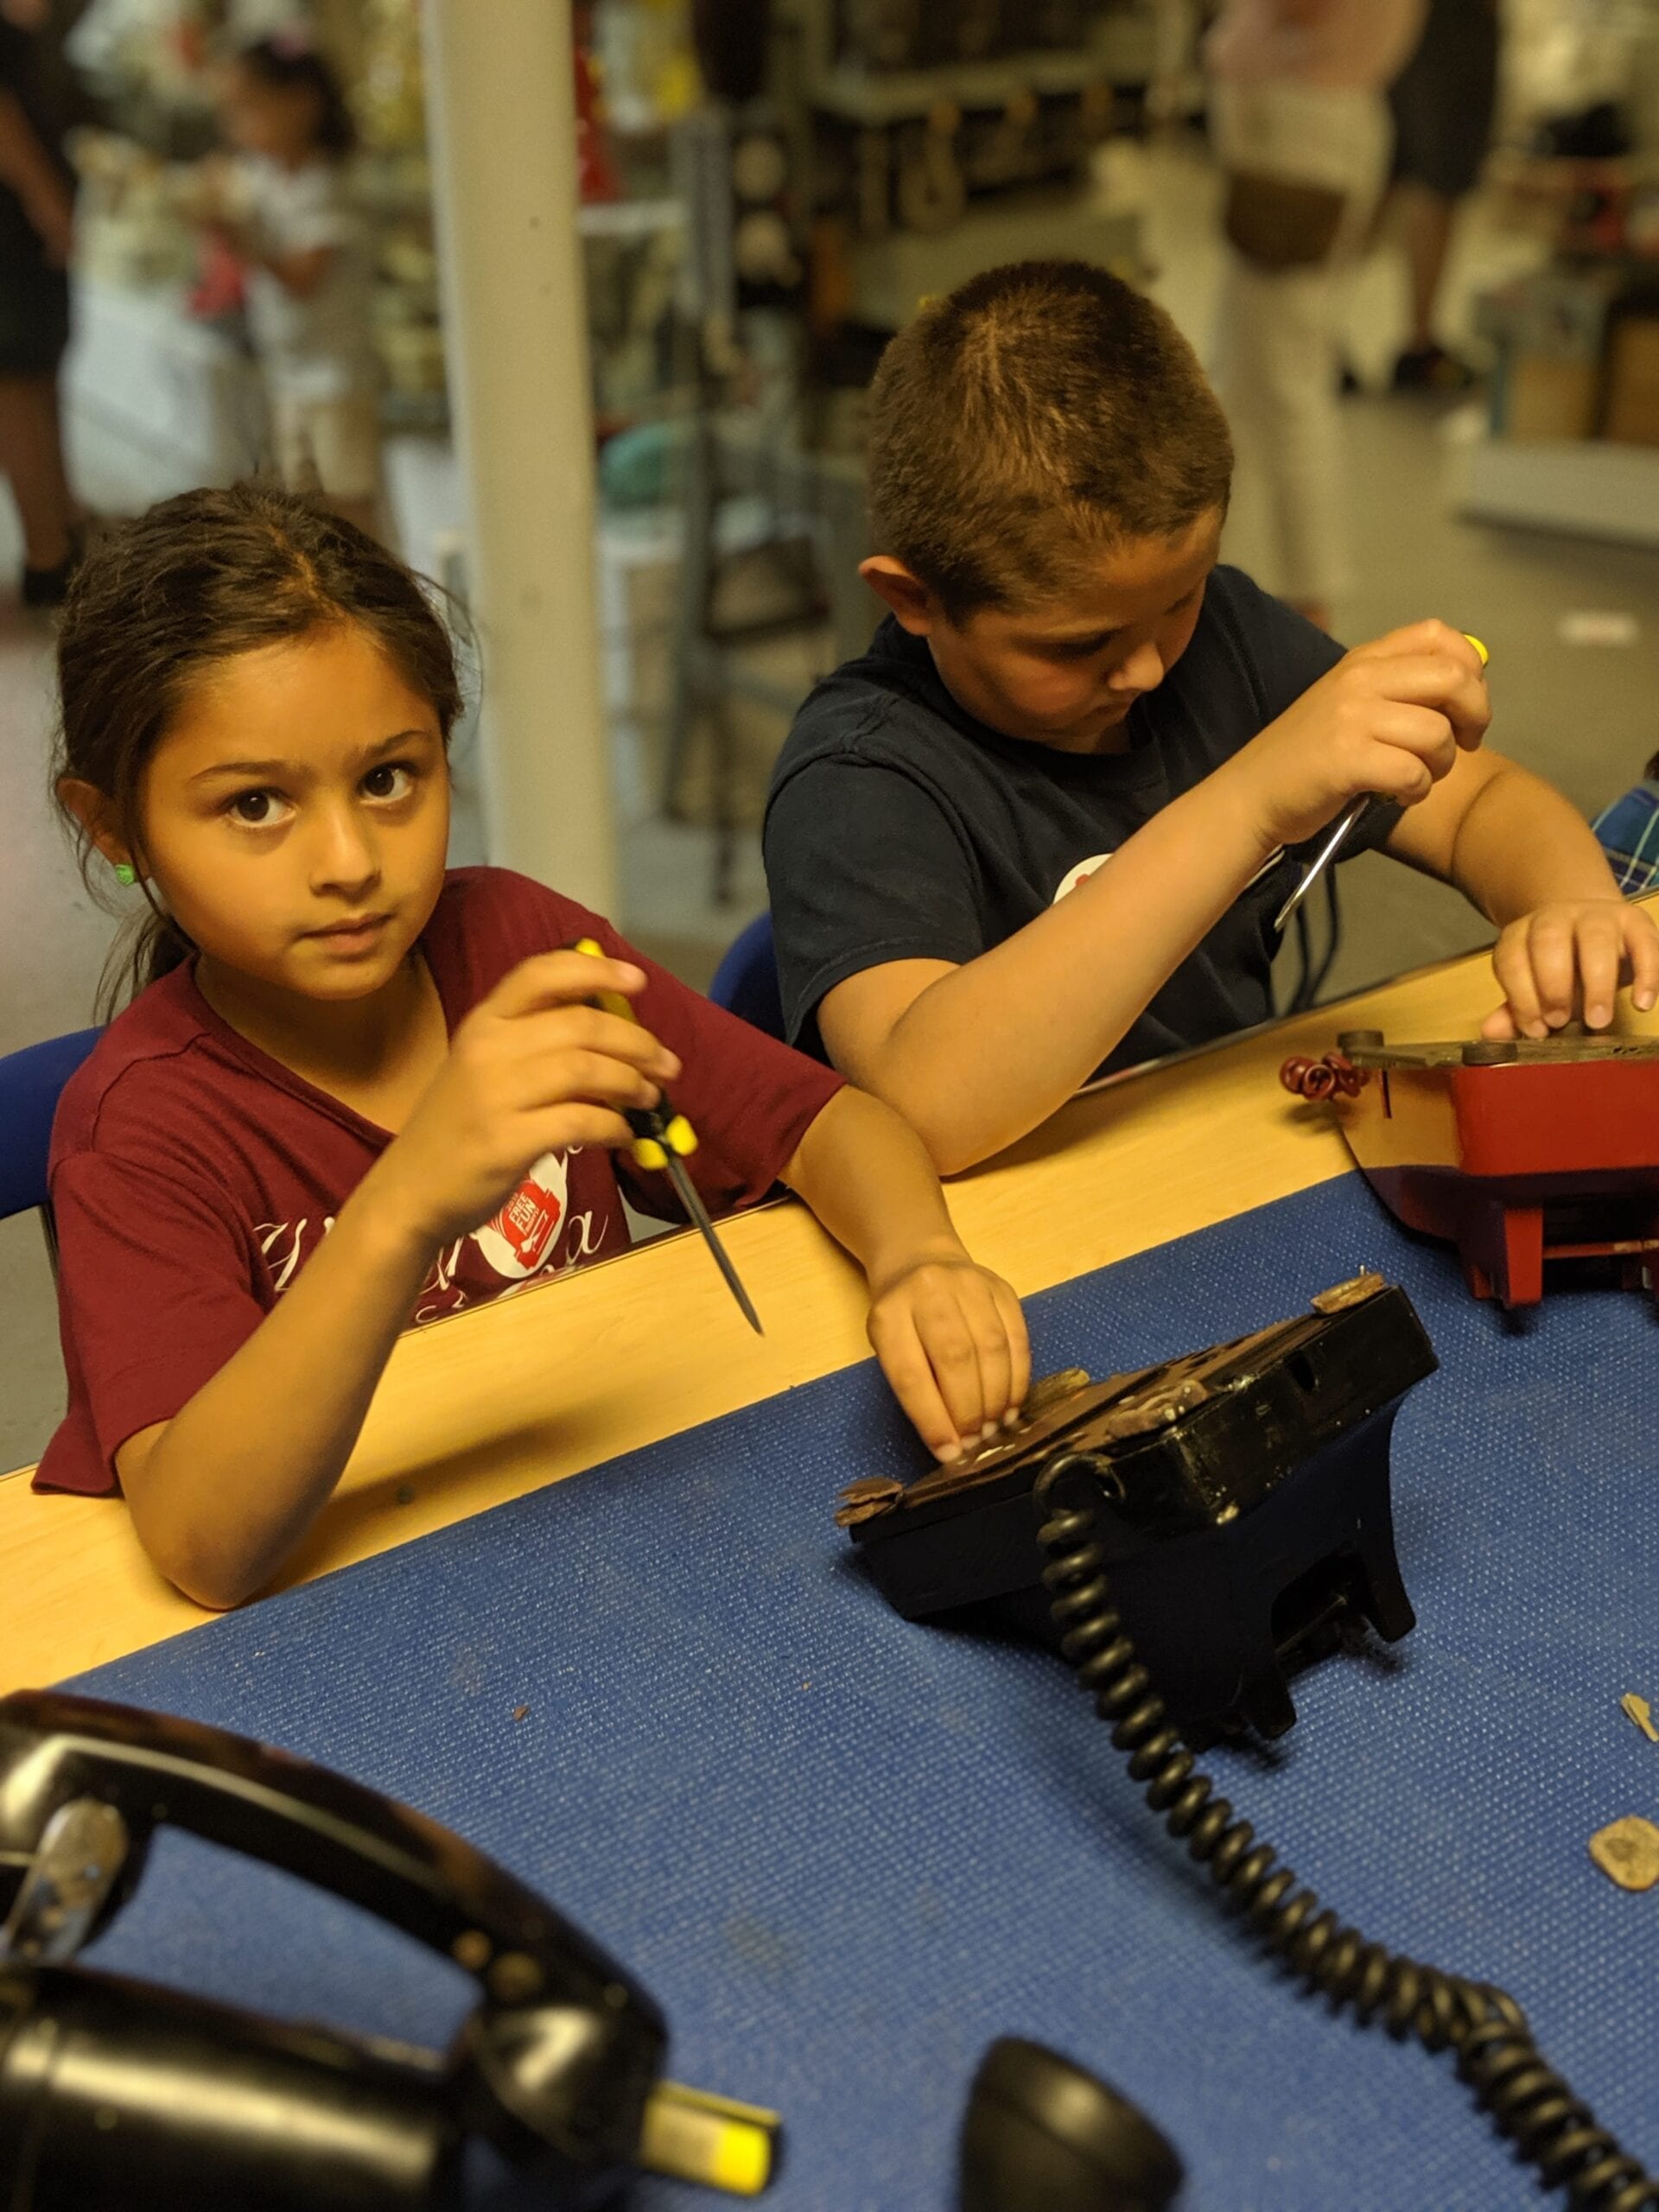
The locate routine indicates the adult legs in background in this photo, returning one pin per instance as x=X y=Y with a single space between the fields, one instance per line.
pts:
x=1274 y=374
x=1425 y=221
x=33 y=332
x=31 y=460
x=1442 y=103
x=1276 y=352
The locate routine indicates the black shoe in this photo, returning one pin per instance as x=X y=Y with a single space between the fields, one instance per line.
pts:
x=1431 y=368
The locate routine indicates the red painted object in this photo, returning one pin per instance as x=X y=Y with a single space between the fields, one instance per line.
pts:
x=1516 y=1153
x=596 y=176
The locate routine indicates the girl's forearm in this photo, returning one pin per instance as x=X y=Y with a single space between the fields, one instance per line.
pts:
x=866 y=1176
x=233 y=1481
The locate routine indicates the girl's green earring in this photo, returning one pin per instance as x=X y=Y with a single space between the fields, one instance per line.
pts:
x=125 y=875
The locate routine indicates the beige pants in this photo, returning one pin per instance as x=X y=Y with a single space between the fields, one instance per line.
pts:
x=1276 y=353
x=331 y=444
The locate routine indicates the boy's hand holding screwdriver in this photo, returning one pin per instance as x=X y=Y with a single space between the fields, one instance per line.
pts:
x=1390 y=719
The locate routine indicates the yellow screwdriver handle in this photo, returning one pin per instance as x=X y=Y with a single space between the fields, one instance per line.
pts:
x=658 y=1133
x=612 y=1001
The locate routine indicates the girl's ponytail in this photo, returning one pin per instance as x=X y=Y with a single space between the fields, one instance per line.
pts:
x=159 y=946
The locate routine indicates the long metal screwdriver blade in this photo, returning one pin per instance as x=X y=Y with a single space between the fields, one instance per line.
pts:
x=1321 y=861
x=698 y=1215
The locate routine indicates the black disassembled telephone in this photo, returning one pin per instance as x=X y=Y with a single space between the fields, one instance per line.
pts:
x=1201 y=1524
x=115 y=2092
x=1241 y=1503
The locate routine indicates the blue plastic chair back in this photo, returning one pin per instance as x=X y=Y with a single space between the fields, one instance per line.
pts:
x=30 y=1083
x=745 y=981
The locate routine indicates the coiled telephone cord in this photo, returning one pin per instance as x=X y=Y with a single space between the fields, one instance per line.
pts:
x=1528 y=2102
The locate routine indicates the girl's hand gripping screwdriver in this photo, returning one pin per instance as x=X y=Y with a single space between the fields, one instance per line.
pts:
x=1340 y=834
x=662 y=1139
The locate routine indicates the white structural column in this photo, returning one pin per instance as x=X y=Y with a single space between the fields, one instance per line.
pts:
x=503 y=129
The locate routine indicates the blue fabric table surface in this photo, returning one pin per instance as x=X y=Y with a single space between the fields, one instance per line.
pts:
x=845 y=1852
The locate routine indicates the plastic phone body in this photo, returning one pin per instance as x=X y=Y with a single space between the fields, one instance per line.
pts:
x=1244 y=1510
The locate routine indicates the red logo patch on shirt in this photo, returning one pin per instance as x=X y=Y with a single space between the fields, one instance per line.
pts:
x=518 y=1240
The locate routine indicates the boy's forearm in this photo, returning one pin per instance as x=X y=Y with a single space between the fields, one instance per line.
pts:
x=240 y=1473
x=1522 y=845
x=988 y=1051
x=866 y=1176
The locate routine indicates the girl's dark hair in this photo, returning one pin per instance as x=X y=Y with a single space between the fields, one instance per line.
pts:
x=198 y=579
x=288 y=62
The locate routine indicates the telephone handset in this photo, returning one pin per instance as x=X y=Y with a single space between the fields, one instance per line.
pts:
x=557 y=2065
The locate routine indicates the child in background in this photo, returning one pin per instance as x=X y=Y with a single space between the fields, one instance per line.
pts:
x=1443 y=102
x=289 y=216
x=356 y=1091
x=1043 y=827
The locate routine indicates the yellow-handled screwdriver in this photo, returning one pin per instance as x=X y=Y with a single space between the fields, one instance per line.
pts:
x=662 y=1141
x=1340 y=834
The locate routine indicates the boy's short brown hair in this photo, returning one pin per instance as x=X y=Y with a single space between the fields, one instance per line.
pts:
x=1039 y=414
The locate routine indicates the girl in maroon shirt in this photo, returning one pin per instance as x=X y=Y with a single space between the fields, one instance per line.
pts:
x=355 y=1091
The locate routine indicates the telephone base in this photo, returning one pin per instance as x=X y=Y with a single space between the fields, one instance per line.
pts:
x=1244 y=1508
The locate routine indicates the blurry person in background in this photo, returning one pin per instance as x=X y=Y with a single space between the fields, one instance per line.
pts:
x=1443 y=102
x=37 y=223
x=285 y=206
x=1300 y=124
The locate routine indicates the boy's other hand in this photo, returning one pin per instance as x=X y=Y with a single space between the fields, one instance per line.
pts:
x=1566 y=961
x=1390 y=717
x=951 y=1342
x=534 y=1068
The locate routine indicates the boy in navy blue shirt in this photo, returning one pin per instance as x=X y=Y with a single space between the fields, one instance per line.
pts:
x=1066 y=680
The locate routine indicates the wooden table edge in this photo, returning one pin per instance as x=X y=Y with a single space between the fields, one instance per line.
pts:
x=486 y=1406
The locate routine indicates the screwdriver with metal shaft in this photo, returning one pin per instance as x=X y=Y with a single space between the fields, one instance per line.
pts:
x=1340 y=834
x=661 y=1140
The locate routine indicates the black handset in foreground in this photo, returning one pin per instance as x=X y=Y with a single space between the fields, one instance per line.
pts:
x=104 y=2082
x=1041 y=2134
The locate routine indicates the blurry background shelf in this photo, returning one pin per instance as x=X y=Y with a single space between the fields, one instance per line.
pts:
x=1589 y=488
